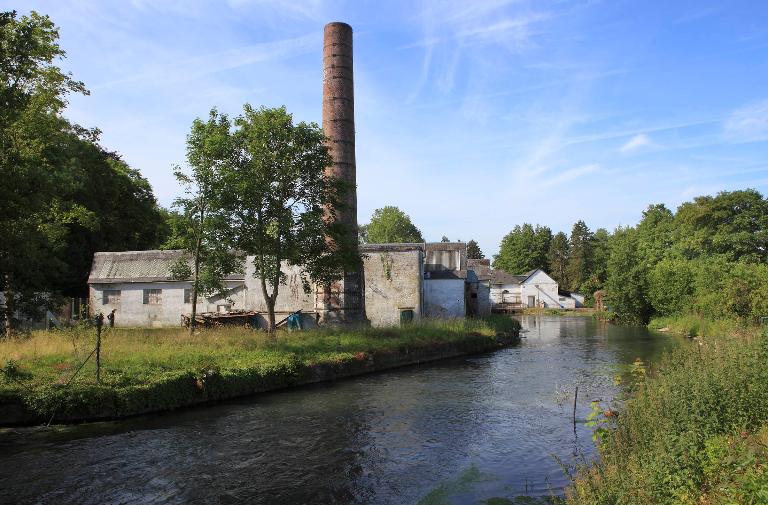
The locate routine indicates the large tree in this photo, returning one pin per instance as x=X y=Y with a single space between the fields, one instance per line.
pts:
x=33 y=93
x=390 y=225
x=524 y=248
x=282 y=203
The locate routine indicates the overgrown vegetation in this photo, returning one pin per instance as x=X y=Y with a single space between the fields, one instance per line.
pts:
x=62 y=196
x=693 y=432
x=145 y=370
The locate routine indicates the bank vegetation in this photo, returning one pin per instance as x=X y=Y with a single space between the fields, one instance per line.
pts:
x=146 y=370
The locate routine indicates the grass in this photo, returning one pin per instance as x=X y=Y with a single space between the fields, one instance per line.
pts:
x=693 y=431
x=177 y=365
x=695 y=325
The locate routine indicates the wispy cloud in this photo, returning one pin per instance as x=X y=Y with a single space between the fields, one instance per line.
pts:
x=748 y=124
x=637 y=143
x=572 y=174
x=199 y=66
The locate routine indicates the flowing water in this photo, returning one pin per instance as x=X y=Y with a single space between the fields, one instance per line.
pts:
x=458 y=431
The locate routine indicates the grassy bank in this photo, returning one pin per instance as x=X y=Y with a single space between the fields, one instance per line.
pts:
x=694 y=429
x=147 y=370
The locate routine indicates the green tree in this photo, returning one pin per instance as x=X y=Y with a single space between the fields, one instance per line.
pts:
x=580 y=258
x=202 y=228
x=559 y=251
x=33 y=94
x=390 y=225
x=627 y=283
x=473 y=251
x=671 y=286
x=733 y=224
x=282 y=203
x=524 y=248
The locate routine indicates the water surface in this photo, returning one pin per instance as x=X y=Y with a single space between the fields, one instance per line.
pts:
x=459 y=431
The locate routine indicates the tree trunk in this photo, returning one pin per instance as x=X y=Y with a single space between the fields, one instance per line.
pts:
x=196 y=275
x=8 y=313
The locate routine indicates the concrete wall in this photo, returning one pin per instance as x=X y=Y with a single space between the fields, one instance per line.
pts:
x=393 y=282
x=132 y=311
x=290 y=296
x=483 y=299
x=444 y=298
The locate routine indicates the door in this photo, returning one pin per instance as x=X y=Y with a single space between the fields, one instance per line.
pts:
x=531 y=302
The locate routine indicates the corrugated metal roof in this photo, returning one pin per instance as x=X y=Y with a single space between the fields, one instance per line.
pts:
x=136 y=266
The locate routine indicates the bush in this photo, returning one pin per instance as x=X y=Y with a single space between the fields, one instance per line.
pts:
x=665 y=442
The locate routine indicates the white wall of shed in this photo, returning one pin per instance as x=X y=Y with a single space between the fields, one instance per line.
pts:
x=444 y=298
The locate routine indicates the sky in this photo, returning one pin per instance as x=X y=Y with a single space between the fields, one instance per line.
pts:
x=471 y=116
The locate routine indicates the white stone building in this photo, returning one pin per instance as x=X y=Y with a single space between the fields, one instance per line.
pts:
x=403 y=282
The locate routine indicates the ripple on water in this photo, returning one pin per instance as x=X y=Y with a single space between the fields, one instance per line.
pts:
x=461 y=430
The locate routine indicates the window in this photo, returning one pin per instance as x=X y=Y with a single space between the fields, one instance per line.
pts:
x=153 y=296
x=406 y=316
x=188 y=296
x=562 y=298
x=110 y=297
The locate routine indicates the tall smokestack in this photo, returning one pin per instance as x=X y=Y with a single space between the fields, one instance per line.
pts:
x=343 y=302
x=339 y=114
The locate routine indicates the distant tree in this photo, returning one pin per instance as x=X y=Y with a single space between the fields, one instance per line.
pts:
x=202 y=227
x=524 y=248
x=627 y=283
x=559 y=251
x=655 y=231
x=473 y=251
x=580 y=257
x=282 y=204
x=732 y=223
x=390 y=225
x=445 y=239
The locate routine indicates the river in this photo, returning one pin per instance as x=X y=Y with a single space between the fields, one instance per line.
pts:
x=459 y=431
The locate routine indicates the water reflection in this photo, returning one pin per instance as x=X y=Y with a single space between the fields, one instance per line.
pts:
x=456 y=432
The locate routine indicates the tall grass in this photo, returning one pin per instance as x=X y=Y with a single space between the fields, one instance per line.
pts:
x=135 y=355
x=693 y=433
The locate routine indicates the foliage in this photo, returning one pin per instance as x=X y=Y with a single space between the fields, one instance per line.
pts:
x=390 y=225
x=473 y=251
x=580 y=255
x=146 y=370
x=63 y=196
x=693 y=432
x=280 y=202
x=202 y=229
x=627 y=279
x=523 y=249
x=559 y=251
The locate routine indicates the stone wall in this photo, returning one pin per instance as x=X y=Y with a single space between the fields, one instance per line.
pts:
x=393 y=282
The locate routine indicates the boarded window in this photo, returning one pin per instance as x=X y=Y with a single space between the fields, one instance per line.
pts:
x=110 y=297
x=406 y=316
x=153 y=296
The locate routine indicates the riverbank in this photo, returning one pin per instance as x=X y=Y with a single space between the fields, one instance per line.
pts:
x=693 y=430
x=154 y=370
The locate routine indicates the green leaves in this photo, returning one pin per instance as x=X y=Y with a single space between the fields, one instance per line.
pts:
x=390 y=225
x=524 y=248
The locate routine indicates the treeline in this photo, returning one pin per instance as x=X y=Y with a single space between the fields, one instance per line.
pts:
x=62 y=195
x=707 y=258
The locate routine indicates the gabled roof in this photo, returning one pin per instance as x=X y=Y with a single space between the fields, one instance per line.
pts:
x=137 y=266
x=501 y=277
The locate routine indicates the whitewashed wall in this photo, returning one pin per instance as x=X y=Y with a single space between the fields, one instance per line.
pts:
x=132 y=311
x=444 y=298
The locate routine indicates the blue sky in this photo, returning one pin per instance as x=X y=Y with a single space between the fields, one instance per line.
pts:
x=472 y=116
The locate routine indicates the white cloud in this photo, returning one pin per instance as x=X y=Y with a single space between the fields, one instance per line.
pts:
x=748 y=124
x=636 y=143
